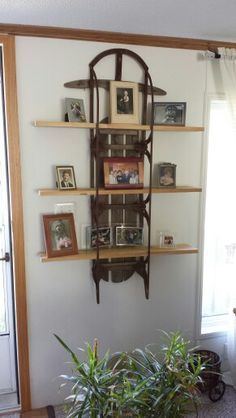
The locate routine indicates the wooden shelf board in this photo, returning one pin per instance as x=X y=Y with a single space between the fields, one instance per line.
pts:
x=123 y=252
x=92 y=191
x=116 y=126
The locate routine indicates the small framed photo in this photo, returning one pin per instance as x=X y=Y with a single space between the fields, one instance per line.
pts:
x=75 y=110
x=103 y=237
x=59 y=233
x=168 y=240
x=165 y=239
x=166 y=175
x=129 y=235
x=170 y=113
x=65 y=177
x=123 y=173
x=124 y=102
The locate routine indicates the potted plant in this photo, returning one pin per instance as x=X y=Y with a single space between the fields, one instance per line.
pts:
x=144 y=383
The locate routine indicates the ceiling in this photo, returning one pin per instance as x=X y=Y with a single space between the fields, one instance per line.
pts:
x=199 y=19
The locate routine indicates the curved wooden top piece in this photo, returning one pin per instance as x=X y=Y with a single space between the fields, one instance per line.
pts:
x=83 y=84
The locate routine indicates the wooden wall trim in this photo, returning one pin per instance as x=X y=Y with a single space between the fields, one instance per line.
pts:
x=8 y=43
x=113 y=37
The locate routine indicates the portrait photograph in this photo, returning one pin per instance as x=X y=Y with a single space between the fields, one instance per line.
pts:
x=75 y=110
x=123 y=173
x=59 y=233
x=65 y=177
x=129 y=235
x=166 y=175
x=169 y=113
x=124 y=102
x=102 y=237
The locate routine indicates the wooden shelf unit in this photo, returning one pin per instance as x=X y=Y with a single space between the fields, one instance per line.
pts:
x=124 y=252
x=137 y=141
x=92 y=191
x=116 y=126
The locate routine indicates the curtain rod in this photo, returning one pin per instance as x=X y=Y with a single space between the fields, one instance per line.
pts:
x=113 y=37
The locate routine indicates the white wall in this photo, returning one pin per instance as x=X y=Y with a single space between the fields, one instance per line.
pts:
x=61 y=295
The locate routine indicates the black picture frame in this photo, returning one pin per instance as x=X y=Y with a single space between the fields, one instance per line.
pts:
x=104 y=235
x=170 y=113
x=166 y=175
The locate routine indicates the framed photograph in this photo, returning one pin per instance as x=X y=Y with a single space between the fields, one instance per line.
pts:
x=166 y=175
x=65 y=177
x=59 y=233
x=103 y=237
x=123 y=173
x=170 y=113
x=165 y=239
x=124 y=102
x=168 y=240
x=75 y=110
x=129 y=235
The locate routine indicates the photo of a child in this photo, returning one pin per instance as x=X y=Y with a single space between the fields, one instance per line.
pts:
x=166 y=176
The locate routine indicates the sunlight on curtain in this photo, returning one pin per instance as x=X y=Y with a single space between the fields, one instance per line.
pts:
x=220 y=211
x=219 y=271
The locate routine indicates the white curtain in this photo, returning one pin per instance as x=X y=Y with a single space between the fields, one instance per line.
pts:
x=224 y=74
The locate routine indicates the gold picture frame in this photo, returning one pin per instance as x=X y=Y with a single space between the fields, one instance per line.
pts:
x=124 y=107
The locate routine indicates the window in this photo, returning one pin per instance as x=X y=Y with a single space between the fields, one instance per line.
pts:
x=219 y=279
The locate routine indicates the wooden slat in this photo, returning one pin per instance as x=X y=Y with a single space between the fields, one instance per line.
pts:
x=114 y=37
x=116 y=126
x=92 y=191
x=124 y=252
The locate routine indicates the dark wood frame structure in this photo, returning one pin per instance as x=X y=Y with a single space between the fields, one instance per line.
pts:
x=121 y=208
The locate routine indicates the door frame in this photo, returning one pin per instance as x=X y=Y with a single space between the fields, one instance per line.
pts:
x=16 y=213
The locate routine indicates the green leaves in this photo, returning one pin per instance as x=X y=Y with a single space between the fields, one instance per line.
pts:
x=137 y=384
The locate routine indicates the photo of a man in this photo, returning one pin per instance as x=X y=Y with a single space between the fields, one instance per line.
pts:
x=65 y=177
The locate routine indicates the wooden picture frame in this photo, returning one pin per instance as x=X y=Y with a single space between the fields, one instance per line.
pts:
x=65 y=177
x=129 y=236
x=170 y=113
x=74 y=110
x=124 y=106
x=166 y=175
x=59 y=234
x=123 y=172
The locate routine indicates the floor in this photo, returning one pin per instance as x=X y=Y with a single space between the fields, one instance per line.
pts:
x=36 y=413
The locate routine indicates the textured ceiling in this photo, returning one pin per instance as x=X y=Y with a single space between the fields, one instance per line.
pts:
x=202 y=19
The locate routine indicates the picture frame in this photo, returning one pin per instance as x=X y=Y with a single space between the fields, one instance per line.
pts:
x=123 y=172
x=166 y=239
x=104 y=237
x=170 y=113
x=166 y=175
x=124 y=106
x=65 y=175
x=74 y=110
x=59 y=234
x=129 y=235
